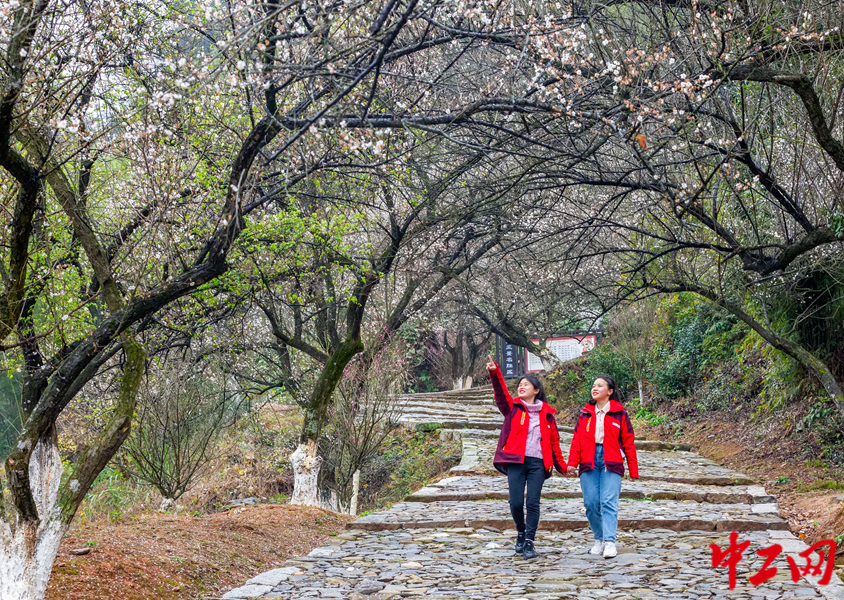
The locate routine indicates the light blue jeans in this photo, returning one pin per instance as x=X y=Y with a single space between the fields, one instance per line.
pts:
x=600 y=495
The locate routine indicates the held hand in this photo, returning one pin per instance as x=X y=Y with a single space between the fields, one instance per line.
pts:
x=490 y=363
x=571 y=472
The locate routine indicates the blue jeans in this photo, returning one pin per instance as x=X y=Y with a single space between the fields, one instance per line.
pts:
x=600 y=495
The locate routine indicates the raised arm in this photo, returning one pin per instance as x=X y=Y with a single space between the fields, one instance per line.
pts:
x=503 y=399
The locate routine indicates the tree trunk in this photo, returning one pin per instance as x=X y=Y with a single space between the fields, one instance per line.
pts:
x=807 y=360
x=815 y=365
x=550 y=361
x=353 y=505
x=515 y=335
x=641 y=394
x=306 y=462
x=464 y=382
x=333 y=502
x=28 y=549
x=306 y=465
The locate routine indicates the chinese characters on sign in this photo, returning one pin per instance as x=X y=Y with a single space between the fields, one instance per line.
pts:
x=566 y=348
x=510 y=358
x=732 y=555
x=516 y=361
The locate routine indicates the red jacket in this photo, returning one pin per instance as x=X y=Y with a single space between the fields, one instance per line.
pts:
x=513 y=437
x=618 y=435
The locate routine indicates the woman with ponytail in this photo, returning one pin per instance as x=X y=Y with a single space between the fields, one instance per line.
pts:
x=603 y=430
x=528 y=450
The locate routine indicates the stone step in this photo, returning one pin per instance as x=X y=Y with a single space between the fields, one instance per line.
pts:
x=444 y=422
x=434 y=408
x=454 y=398
x=462 y=425
x=565 y=514
x=678 y=466
x=495 y=488
x=480 y=401
x=475 y=391
x=455 y=435
x=485 y=399
x=453 y=539
x=485 y=404
x=420 y=414
x=487 y=425
x=486 y=468
x=460 y=563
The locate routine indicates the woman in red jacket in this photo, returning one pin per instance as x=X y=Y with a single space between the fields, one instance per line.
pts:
x=603 y=429
x=528 y=450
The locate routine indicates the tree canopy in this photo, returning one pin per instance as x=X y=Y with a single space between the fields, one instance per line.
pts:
x=310 y=178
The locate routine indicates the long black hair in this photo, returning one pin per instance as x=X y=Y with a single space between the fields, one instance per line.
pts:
x=610 y=384
x=537 y=385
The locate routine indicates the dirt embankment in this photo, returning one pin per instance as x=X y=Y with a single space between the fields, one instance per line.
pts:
x=171 y=557
x=808 y=488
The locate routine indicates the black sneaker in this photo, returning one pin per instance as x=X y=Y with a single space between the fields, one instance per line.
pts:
x=529 y=551
x=520 y=543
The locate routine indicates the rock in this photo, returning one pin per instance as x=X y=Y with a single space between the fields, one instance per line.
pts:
x=242 y=502
x=80 y=551
x=368 y=586
x=274 y=577
x=167 y=505
x=247 y=591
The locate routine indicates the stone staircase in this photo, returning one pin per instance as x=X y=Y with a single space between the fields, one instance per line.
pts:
x=453 y=538
x=472 y=409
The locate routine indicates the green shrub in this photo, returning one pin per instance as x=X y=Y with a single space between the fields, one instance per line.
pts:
x=604 y=360
x=694 y=337
x=784 y=379
x=564 y=386
x=825 y=484
x=678 y=356
x=645 y=414
x=406 y=463
x=568 y=387
x=114 y=495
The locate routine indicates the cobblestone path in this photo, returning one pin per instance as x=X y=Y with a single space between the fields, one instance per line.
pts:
x=453 y=539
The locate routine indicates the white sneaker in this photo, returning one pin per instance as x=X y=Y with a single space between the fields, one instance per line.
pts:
x=597 y=548
x=610 y=550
